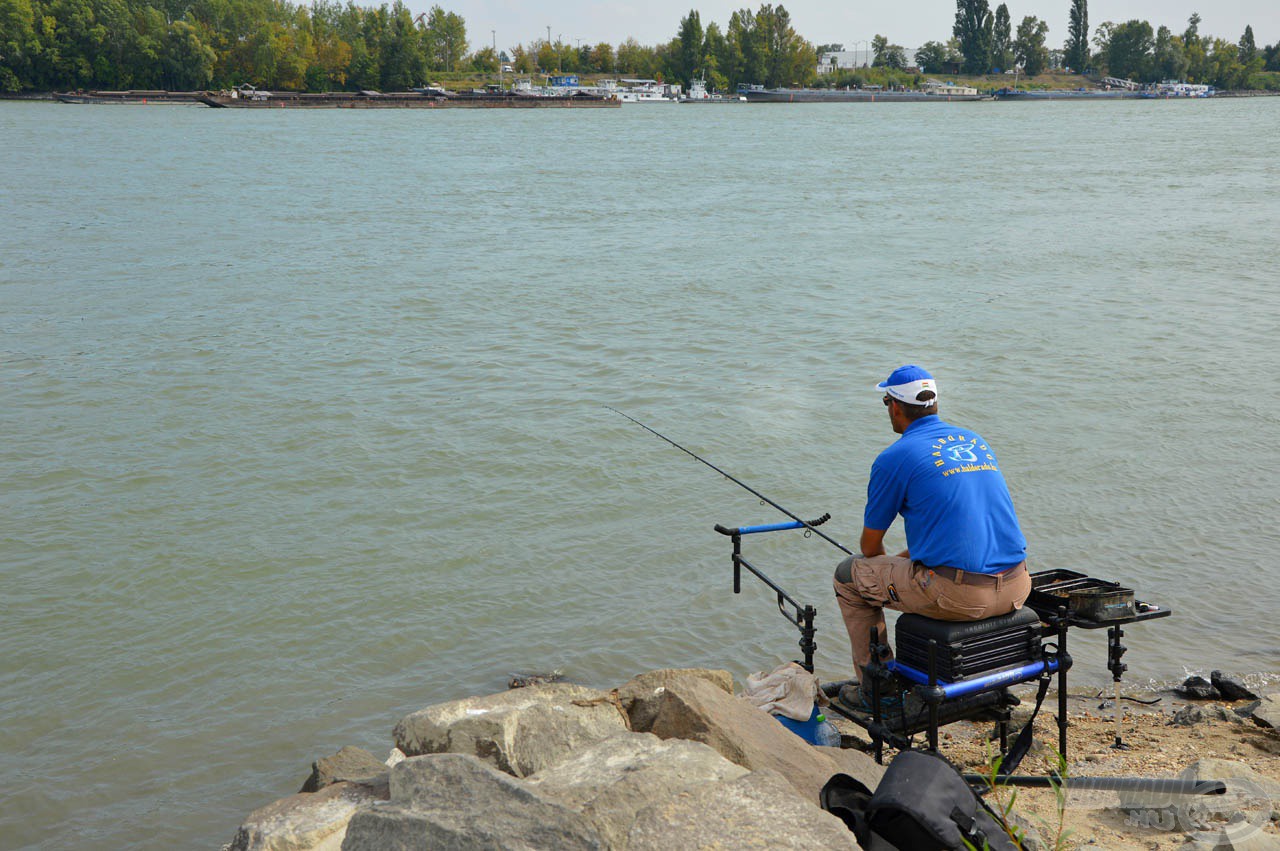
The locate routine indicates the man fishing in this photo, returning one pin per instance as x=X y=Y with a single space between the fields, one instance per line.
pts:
x=966 y=555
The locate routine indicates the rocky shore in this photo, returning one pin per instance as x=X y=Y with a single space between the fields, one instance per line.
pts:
x=673 y=759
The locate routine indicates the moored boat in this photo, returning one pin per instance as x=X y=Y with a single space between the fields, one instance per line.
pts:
x=647 y=91
x=426 y=97
x=1066 y=94
x=133 y=97
x=870 y=94
x=698 y=94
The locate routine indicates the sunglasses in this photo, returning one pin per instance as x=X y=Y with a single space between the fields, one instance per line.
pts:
x=886 y=400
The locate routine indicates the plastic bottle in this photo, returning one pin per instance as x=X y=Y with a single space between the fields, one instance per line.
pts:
x=826 y=735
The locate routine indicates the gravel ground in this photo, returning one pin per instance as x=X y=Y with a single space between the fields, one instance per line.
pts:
x=1157 y=746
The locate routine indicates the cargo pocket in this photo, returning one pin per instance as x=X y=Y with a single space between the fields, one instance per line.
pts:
x=964 y=611
x=868 y=584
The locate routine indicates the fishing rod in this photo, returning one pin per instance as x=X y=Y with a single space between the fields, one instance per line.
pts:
x=807 y=524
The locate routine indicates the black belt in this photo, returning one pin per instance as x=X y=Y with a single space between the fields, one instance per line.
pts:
x=968 y=577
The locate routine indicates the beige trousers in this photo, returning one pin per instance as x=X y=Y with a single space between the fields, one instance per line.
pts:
x=866 y=586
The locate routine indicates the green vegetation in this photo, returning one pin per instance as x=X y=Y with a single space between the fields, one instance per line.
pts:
x=327 y=46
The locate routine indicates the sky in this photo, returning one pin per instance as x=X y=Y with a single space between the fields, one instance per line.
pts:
x=909 y=23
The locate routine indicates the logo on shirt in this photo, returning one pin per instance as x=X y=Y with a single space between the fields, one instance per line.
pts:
x=960 y=449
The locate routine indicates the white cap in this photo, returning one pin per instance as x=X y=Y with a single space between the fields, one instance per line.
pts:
x=907 y=382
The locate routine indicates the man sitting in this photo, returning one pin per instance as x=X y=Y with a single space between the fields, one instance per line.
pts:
x=966 y=556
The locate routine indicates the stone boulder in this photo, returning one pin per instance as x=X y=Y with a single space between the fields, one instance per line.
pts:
x=611 y=782
x=1231 y=688
x=520 y=732
x=1197 y=688
x=354 y=764
x=697 y=710
x=456 y=802
x=641 y=695
x=758 y=811
x=1267 y=712
x=1187 y=716
x=308 y=821
x=856 y=764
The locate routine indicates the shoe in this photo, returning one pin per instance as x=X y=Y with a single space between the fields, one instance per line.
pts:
x=856 y=699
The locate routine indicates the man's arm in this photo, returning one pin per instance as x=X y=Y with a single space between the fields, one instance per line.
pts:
x=872 y=543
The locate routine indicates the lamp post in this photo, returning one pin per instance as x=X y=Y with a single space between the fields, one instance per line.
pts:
x=856 y=51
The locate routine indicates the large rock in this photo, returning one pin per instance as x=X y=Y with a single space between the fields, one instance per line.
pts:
x=1267 y=712
x=642 y=694
x=456 y=802
x=1231 y=688
x=695 y=709
x=349 y=763
x=611 y=782
x=1235 y=821
x=1197 y=688
x=758 y=811
x=856 y=764
x=521 y=732
x=304 y=822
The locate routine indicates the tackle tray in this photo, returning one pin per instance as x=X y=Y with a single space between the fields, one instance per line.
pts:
x=1085 y=597
x=967 y=649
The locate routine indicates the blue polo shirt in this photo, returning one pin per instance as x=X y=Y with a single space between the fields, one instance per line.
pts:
x=945 y=482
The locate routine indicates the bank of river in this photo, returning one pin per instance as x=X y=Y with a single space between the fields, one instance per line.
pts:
x=304 y=423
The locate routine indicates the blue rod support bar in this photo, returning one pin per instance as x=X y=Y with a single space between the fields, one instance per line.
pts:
x=998 y=679
x=770 y=527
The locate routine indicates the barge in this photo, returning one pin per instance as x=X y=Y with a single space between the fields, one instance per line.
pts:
x=432 y=97
x=930 y=94
x=133 y=97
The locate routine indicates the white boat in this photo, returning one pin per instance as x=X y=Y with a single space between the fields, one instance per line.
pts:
x=647 y=91
x=698 y=94
x=1174 y=89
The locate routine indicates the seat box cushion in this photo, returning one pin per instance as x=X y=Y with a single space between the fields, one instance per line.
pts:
x=968 y=648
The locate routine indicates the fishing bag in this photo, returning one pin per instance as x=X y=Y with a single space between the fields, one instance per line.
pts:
x=921 y=804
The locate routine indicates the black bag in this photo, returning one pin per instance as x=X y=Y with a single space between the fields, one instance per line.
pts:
x=921 y=804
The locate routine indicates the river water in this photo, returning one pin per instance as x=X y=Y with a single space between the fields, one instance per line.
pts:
x=304 y=423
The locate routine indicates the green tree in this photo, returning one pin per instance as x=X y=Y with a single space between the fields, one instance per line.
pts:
x=974 y=27
x=1225 y=70
x=1248 y=48
x=188 y=61
x=789 y=59
x=1272 y=57
x=887 y=55
x=1029 y=50
x=485 y=60
x=746 y=48
x=1192 y=33
x=635 y=59
x=1129 y=51
x=687 y=57
x=714 y=47
x=403 y=60
x=523 y=60
x=1077 y=45
x=602 y=58
x=932 y=57
x=443 y=39
x=1002 y=39
x=1169 y=61
x=18 y=44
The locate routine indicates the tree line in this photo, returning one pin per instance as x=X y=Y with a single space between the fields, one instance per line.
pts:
x=984 y=42
x=328 y=46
